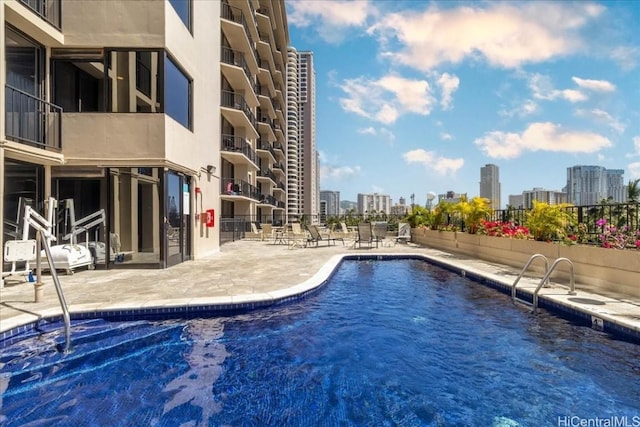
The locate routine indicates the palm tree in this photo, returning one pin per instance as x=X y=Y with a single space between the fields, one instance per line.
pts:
x=633 y=190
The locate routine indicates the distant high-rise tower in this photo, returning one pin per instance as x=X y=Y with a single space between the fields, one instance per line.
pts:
x=332 y=199
x=292 y=134
x=301 y=80
x=378 y=203
x=490 y=184
x=589 y=185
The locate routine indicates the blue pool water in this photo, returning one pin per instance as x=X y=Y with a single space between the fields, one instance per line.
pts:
x=384 y=343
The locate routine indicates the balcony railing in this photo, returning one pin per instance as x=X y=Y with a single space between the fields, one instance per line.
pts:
x=235 y=14
x=239 y=187
x=49 y=10
x=237 y=144
x=236 y=101
x=263 y=145
x=236 y=58
x=267 y=174
x=31 y=120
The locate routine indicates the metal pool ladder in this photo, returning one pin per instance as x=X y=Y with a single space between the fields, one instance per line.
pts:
x=524 y=269
x=43 y=237
x=572 y=282
x=545 y=279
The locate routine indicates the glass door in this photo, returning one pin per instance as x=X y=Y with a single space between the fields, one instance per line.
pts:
x=176 y=220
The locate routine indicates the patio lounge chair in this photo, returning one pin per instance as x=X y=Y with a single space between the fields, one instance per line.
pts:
x=316 y=237
x=379 y=230
x=254 y=233
x=365 y=235
x=404 y=232
x=296 y=237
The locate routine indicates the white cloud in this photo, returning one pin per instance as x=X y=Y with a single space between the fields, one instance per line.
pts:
x=602 y=117
x=594 y=85
x=504 y=34
x=431 y=161
x=572 y=95
x=386 y=99
x=636 y=147
x=337 y=173
x=330 y=19
x=527 y=108
x=384 y=133
x=542 y=88
x=626 y=56
x=367 y=131
x=543 y=136
x=448 y=85
x=446 y=136
x=634 y=170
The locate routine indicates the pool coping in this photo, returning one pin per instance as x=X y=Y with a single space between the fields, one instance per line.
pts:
x=602 y=313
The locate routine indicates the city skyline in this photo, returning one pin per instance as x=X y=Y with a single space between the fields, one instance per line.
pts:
x=417 y=96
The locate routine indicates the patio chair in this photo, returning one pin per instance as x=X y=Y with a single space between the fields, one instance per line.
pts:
x=379 y=230
x=404 y=232
x=349 y=234
x=365 y=235
x=316 y=237
x=254 y=233
x=267 y=231
x=296 y=237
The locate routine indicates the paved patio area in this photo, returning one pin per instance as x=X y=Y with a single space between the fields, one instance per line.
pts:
x=251 y=270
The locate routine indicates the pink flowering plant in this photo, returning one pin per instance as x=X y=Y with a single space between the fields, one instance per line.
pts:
x=618 y=237
x=503 y=229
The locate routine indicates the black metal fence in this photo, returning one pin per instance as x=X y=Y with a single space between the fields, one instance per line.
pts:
x=31 y=120
x=591 y=218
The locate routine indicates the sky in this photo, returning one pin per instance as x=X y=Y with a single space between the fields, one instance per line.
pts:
x=416 y=96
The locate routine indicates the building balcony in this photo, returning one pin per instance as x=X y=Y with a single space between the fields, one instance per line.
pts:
x=238 y=189
x=115 y=138
x=238 y=33
x=49 y=10
x=265 y=147
x=236 y=110
x=267 y=174
x=31 y=120
x=235 y=68
x=237 y=150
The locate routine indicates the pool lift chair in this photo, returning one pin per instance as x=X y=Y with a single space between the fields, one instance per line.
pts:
x=72 y=255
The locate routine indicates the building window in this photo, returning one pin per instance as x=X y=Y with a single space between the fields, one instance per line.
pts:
x=183 y=9
x=118 y=81
x=177 y=93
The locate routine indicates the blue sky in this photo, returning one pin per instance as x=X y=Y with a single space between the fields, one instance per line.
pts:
x=416 y=96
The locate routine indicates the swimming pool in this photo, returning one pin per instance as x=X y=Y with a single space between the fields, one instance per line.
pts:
x=394 y=342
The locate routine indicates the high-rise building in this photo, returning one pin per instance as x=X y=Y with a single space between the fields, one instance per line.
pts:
x=544 y=196
x=451 y=197
x=293 y=197
x=171 y=120
x=378 y=203
x=490 y=184
x=332 y=200
x=308 y=196
x=516 y=201
x=400 y=208
x=589 y=185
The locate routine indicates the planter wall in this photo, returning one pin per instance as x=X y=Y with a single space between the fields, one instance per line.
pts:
x=597 y=270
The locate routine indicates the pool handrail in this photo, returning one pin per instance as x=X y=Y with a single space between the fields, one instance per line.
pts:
x=524 y=269
x=572 y=282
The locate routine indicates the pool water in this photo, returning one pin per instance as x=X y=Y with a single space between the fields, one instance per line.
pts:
x=384 y=343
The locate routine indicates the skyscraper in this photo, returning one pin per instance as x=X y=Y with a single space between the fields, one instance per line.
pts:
x=589 y=185
x=301 y=79
x=332 y=199
x=490 y=184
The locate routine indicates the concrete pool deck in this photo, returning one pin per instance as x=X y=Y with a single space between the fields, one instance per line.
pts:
x=259 y=271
